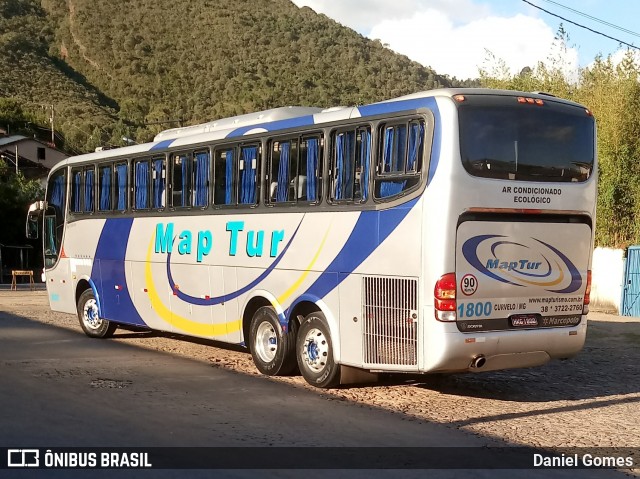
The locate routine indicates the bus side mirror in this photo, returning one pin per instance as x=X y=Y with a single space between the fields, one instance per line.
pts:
x=33 y=220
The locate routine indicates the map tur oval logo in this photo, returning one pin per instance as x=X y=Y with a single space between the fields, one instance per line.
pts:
x=528 y=262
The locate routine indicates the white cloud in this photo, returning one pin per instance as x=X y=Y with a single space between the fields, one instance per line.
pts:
x=362 y=15
x=619 y=55
x=451 y=37
x=430 y=37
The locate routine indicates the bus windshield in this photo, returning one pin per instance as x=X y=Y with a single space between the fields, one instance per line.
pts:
x=552 y=142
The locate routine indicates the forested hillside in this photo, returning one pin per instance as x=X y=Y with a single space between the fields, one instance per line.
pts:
x=115 y=69
x=33 y=78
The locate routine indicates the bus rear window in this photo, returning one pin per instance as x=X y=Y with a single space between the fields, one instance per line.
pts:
x=546 y=143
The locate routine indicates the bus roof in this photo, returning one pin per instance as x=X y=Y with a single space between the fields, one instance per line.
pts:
x=283 y=118
x=275 y=114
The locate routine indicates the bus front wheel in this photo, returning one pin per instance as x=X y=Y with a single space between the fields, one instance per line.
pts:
x=315 y=352
x=90 y=321
x=272 y=349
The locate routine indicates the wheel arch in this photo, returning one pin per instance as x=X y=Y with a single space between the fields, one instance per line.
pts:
x=307 y=304
x=85 y=283
x=257 y=300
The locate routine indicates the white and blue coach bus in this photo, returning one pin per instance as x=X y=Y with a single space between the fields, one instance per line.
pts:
x=442 y=231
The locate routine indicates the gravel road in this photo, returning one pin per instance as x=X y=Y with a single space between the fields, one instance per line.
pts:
x=588 y=401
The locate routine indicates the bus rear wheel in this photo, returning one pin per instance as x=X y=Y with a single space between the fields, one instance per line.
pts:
x=90 y=321
x=315 y=352
x=272 y=349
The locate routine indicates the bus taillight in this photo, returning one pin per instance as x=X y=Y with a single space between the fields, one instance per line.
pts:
x=445 y=298
x=531 y=101
x=587 y=294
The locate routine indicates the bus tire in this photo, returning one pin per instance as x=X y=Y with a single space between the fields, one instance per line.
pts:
x=272 y=349
x=315 y=352
x=90 y=321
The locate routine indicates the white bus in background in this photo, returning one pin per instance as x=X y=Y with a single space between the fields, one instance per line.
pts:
x=444 y=231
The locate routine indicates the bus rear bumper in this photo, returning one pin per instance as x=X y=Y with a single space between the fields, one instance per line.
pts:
x=508 y=361
x=491 y=351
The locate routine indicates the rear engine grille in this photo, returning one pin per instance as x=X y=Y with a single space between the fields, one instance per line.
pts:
x=390 y=312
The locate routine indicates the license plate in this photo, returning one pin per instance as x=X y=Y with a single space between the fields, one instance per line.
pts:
x=524 y=320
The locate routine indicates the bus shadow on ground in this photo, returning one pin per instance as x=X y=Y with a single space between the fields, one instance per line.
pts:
x=608 y=365
x=131 y=332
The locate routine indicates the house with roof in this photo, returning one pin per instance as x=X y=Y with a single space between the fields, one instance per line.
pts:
x=32 y=157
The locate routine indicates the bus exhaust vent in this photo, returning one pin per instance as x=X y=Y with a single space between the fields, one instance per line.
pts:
x=390 y=315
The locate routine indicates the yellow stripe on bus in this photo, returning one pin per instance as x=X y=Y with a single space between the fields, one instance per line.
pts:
x=287 y=294
x=540 y=283
x=202 y=329
x=183 y=324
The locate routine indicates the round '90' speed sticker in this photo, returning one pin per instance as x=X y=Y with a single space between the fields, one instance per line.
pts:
x=468 y=284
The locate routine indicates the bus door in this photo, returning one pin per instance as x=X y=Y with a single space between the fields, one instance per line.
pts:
x=56 y=264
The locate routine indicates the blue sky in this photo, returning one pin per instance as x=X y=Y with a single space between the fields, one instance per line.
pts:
x=455 y=36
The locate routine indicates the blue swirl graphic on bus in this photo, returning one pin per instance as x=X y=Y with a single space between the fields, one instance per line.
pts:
x=232 y=295
x=546 y=267
x=531 y=265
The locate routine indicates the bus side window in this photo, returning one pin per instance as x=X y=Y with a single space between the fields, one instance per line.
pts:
x=104 y=188
x=351 y=157
x=181 y=181
x=401 y=150
x=89 y=182
x=141 y=184
x=76 y=191
x=283 y=170
x=120 y=187
x=307 y=187
x=247 y=174
x=158 y=182
x=201 y=173
x=224 y=192
x=363 y=164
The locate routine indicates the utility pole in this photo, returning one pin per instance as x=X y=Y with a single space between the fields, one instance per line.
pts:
x=53 y=134
x=51 y=119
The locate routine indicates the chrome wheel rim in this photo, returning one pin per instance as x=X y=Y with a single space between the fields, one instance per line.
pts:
x=266 y=343
x=90 y=316
x=315 y=350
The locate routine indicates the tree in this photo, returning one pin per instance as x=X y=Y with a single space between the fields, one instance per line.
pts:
x=16 y=194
